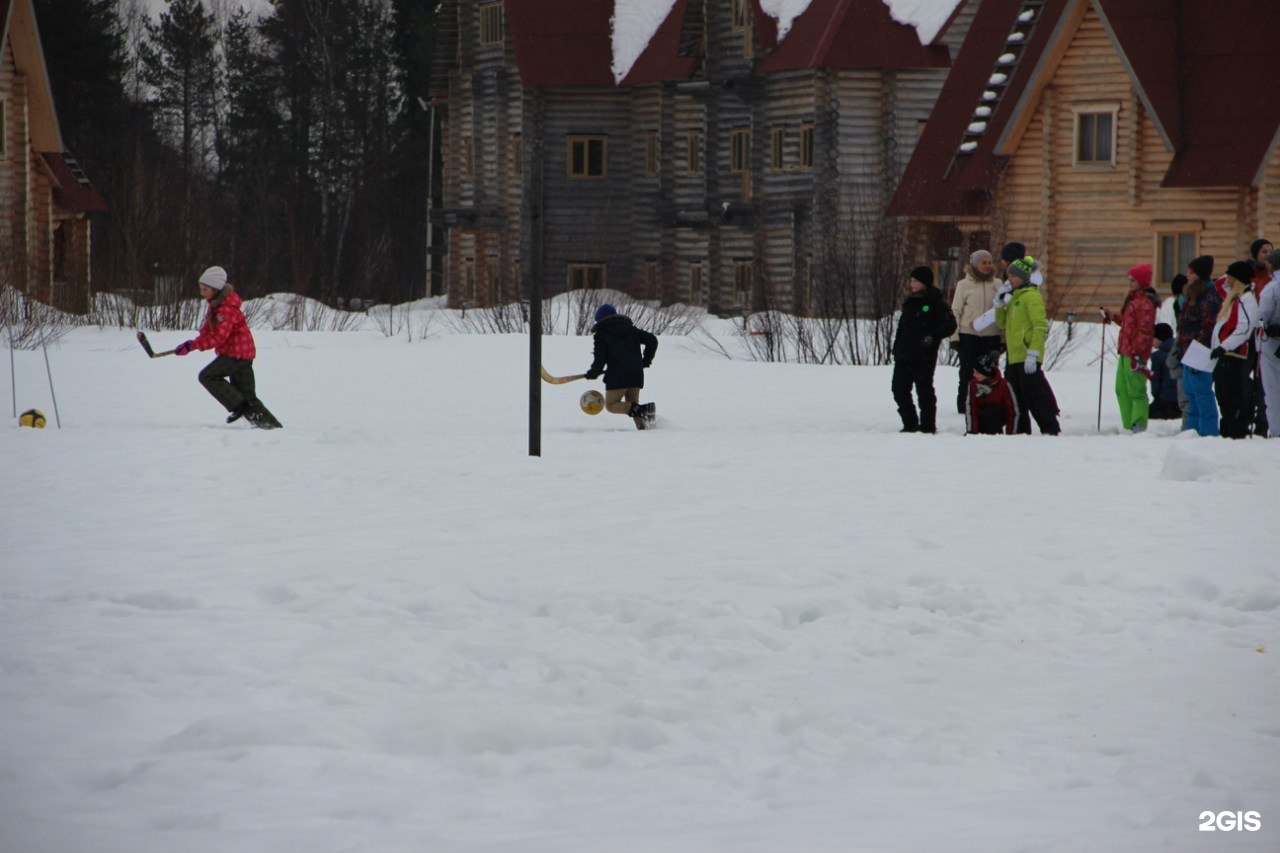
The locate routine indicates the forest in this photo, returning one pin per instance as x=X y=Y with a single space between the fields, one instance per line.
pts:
x=288 y=142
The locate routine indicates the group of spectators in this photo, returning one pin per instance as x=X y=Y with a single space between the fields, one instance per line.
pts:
x=1216 y=366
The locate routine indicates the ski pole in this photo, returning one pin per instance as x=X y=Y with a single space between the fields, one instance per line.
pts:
x=56 y=416
x=1102 y=360
x=13 y=376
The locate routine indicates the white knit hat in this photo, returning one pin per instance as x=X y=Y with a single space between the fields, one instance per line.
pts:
x=215 y=277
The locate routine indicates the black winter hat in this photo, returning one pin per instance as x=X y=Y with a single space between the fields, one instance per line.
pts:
x=1257 y=244
x=1242 y=270
x=1012 y=252
x=1176 y=284
x=1202 y=266
x=1163 y=331
x=987 y=364
x=924 y=275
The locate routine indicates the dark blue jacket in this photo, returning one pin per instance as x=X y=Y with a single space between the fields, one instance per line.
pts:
x=618 y=352
x=1163 y=386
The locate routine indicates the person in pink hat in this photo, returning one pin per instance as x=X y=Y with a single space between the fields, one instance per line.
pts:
x=1137 y=335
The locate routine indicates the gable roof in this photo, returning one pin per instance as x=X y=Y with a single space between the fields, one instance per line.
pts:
x=20 y=31
x=660 y=60
x=562 y=42
x=1197 y=66
x=852 y=34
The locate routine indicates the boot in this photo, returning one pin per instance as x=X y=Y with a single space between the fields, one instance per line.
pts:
x=239 y=411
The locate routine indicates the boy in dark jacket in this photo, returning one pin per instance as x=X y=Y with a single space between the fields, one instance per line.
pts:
x=989 y=407
x=1164 y=388
x=622 y=352
x=926 y=320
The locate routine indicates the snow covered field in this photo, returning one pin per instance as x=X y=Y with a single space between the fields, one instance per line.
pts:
x=773 y=625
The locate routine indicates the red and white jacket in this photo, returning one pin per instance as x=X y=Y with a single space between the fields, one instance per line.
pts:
x=1233 y=331
x=992 y=393
x=230 y=336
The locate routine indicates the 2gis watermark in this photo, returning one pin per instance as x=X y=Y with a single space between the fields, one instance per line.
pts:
x=1230 y=821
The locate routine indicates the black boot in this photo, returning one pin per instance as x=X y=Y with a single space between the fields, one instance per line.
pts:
x=239 y=411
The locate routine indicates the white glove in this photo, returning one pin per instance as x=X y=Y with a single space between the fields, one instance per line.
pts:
x=1029 y=366
x=1036 y=278
x=1003 y=295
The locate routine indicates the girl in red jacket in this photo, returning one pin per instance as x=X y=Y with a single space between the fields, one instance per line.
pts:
x=1137 y=337
x=229 y=377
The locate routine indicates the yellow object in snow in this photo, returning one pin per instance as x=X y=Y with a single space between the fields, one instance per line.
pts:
x=592 y=402
x=32 y=418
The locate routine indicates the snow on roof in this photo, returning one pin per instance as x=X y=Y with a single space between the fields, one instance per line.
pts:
x=784 y=11
x=927 y=16
x=634 y=23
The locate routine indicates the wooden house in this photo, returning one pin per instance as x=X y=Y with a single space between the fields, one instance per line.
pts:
x=44 y=196
x=716 y=169
x=1103 y=134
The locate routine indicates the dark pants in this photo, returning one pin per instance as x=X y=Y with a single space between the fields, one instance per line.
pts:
x=971 y=348
x=1234 y=387
x=919 y=375
x=1260 y=425
x=229 y=380
x=1035 y=399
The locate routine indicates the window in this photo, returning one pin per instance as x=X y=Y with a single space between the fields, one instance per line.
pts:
x=651 y=154
x=1095 y=138
x=492 y=24
x=742 y=275
x=650 y=279
x=4 y=111
x=587 y=156
x=517 y=154
x=1174 y=250
x=806 y=282
x=468 y=281
x=777 y=137
x=741 y=11
x=468 y=159
x=806 y=146
x=693 y=156
x=739 y=150
x=696 y=294
x=586 y=276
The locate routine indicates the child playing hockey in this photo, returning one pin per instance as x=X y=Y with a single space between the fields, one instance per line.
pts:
x=619 y=356
x=989 y=407
x=229 y=377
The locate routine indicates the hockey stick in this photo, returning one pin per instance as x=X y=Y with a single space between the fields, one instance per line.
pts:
x=146 y=345
x=554 y=380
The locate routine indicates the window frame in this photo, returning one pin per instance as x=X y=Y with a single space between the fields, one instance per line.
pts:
x=586 y=140
x=739 y=150
x=585 y=269
x=744 y=270
x=777 y=149
x=4 y=127
x=1176 y=231
x=652 y=160
x=492 y=32
x=806 y=145
x=1080 y=114
x=693 y=152
x=697 y=283
x=517 y=154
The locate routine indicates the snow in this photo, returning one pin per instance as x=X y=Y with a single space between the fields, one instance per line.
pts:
x=773 y=624
x=785 y=12
x=927 y=16
x=634 y=23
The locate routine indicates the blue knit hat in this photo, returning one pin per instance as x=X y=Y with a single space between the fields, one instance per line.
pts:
x=605 y=310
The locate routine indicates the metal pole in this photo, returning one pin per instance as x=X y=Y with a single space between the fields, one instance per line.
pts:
x=431 y=168
x=49 y=372
x=13 y=375
x=535 y=283
x=1102 y=361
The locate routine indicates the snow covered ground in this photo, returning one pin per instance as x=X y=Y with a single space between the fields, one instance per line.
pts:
x=773 y=625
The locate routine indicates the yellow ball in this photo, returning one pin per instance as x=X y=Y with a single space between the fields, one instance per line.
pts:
x=592 y=402
x=32 y=418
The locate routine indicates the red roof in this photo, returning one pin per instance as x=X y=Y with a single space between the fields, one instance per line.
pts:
x=1198 y=65
x=660 y=59
x=73 y=192
x=562 y=42
x=852 y=34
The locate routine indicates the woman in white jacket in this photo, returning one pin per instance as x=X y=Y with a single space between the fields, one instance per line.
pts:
x=1232 y=373
x=1269 y=345
x=973 y=297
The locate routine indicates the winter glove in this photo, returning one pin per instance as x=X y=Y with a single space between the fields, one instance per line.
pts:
x=1145 y=371
x=1003 y=295
x=1107 y=319
x=590 y=375
x=927 y=340
x=1217 y=352
x=1036 y=278
x=646 y=364
x=1029 y=366
x=184 y=348
x=1134 y=364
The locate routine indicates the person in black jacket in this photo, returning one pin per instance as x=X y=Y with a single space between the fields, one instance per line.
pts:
x=926 y=320
x=619 y=356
